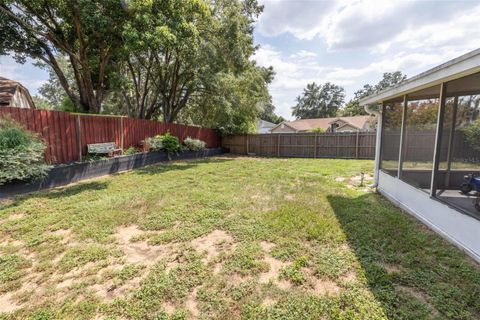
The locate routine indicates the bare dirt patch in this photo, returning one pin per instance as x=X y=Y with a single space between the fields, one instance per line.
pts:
x=15 y=216
x=340 y=179
x=267 y=302
x=349 y=276
x=213 y=244
x=65 y=234
x=274 y=271
x=141 y=251
x=267 y=246
x=323 y=287
x=289 y=197
x=356 y=181
x=7 y=303
x=109 y=291
x=169 y=308
x=192 y=305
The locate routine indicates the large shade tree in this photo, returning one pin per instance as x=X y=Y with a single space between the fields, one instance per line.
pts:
x=185 y=49
x=319 y=101
x=87 y=33
x=389 y=79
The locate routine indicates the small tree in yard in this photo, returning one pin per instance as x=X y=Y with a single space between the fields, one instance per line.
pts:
x=21 y=153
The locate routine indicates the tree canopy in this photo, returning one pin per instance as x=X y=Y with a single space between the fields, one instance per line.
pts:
x=268 y=114
x=319 y=101
x=87 y=33
x=389 y=79
x=186 y=60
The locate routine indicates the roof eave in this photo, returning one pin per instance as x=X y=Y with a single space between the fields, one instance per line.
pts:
x=459 y=67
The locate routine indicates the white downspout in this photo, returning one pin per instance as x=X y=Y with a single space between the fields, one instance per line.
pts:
x=378 y=115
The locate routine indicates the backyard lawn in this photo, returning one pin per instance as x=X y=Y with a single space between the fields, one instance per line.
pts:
x=226 y=238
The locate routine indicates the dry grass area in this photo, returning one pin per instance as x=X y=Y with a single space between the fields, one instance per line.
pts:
x=228 y=238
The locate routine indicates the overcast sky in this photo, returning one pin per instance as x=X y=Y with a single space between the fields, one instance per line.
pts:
x=347 y=42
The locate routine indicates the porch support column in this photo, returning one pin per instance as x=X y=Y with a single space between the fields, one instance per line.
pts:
x=450 y=141
x=403 y=131
x=438 y=140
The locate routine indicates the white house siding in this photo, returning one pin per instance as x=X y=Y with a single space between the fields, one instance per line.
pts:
x=347 y=128
x=20 y=100
x=458 y=228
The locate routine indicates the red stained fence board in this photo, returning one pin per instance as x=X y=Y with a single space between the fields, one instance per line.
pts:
x=59 y=131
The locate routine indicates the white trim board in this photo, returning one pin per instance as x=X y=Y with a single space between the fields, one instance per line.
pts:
x=459 y=229
x=464 y=65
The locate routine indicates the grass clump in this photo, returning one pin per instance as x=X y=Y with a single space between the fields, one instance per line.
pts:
x=294 y=272
x=12 y=269
x=247 y=259
x=81 y=255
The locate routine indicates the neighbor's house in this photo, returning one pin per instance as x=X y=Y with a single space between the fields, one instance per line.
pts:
x=337 y=124
x=427 y=144
x=264 y=126
x=13 y=94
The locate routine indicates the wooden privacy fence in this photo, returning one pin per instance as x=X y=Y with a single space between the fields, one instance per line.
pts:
x=67 y=134
x=419 y=145
x=355 y=145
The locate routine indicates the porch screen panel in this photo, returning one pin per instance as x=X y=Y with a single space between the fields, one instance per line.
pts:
x=460 y=148
x=390 y=148
x=419 y=142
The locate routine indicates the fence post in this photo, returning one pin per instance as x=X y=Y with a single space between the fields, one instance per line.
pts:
x=79 y=137
x=336 y=144
x=278 y=145
x=356 y=145
x=121 y=133
x=246 y=136
x=315 y=146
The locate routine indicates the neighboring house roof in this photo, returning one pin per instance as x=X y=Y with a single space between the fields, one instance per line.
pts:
x=358 y=122
x=8 y=88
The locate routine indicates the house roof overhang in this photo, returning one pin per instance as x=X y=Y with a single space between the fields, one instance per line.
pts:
x=345 y=123
x=285 y=124
x=464 y=65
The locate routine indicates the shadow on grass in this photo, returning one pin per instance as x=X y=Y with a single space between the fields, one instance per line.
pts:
x=80 y=187
x=56 y=193
x=412 y=272
x=181 y=164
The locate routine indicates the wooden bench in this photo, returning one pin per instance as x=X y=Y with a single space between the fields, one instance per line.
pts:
x=109 y=148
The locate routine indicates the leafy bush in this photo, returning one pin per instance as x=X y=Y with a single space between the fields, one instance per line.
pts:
x=472 y=135
x=167 y=142
x=131 y=150
x=317 y=130
x=21 y=153
x=171 y=144
x=194 y=144
x=155 y=143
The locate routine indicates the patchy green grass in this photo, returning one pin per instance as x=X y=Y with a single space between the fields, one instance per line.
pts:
x=228 y=238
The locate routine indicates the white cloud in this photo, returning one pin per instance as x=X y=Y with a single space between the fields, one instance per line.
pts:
x=358 y=40
x=347 y=24
x=28 y=75
x=301 y=18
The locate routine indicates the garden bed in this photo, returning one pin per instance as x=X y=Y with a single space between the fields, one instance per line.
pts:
x=65 y=174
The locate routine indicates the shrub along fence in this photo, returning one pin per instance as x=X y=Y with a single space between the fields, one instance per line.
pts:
x=356 y=145
x=67 y=134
